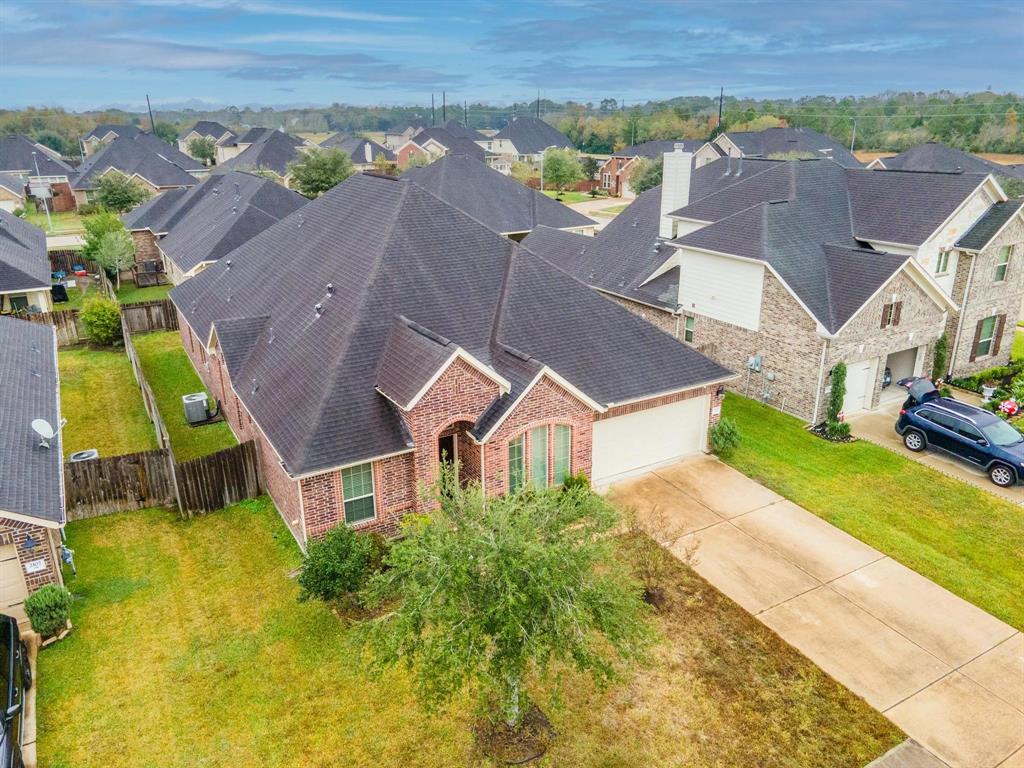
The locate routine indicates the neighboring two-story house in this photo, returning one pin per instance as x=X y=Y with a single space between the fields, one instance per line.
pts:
x=801 y=264
x=102 y=135
x=404 y=334
x=364 y=153
x=263 y=150
x=614 y=172
x=525 y=138
x=206 y=129
x=184 y=231
x=34 y=164
x=775 y=142
x=24 y=267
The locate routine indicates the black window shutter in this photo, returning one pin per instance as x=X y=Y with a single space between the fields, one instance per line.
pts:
x=997 y=340
x=977 y=338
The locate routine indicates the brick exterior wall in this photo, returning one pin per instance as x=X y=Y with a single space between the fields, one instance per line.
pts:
x=47 y=547
x=985 y=298
x=791 y=349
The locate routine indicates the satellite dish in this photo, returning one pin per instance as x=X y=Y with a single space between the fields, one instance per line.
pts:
x=45 y=430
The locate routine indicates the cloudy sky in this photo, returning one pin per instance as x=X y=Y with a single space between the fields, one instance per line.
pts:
x=86 y=54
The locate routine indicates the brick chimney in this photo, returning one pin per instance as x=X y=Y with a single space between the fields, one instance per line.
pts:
x=675 y=188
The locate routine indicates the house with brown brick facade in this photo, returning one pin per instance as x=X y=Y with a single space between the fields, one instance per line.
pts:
x=404 y=333
x=614 y=172
x=31 y=468
x=781 y=269
x=184 y=231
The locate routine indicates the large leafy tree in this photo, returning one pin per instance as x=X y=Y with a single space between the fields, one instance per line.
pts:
x=561 y=168
x=96 y=226
x=117 y=192
x=497 y=594
x=167 y=132
x=645 y=174
x=115 y=252
x=203 y=148
x=318 y=170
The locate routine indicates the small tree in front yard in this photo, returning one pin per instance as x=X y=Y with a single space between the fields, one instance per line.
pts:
x=838 y=392
x=203 y=148
x=319 y=170
x=561 y=168
x=96 y=226
x=116 y=192
x=102 y=320
x=115 y=252
x=497 y=595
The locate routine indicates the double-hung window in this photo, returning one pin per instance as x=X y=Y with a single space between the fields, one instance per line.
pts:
x=516 y=464
x=1002 y=262
x=539 y=457
x=357 y=486
x=688 y=329
x=563 y=452
x=942 y=266
x=986 y=334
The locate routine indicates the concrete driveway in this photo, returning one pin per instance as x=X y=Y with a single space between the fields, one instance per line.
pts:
x=877 y=426
x=946 y=672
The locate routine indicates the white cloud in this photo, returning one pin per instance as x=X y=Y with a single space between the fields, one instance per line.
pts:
x=332 y=11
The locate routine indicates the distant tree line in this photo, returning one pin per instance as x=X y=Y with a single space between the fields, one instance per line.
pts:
x=976 y=122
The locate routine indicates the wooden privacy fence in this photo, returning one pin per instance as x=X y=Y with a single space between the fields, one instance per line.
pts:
x=153 y=479
x=65 y=323
x=146 y=316
x=163 y=438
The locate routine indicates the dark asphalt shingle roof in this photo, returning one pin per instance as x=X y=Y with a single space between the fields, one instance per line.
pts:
x=362 y=151
x=933 y=156
x=653 y=150
x=221 y=213
x=460 y=131
x=16 y=157
x=775 y=141
x=455 y=145
x=271 y=150
x=144 y=155
x=207 y=128
x=253 y=135
x=12 y=183
x=23 y=259
x=101 y=131
x=389 y=249
x=531 y=135
x=563 y=249
x=411 y=356
x=498 y=201
x=988 y=226
x=31 y=482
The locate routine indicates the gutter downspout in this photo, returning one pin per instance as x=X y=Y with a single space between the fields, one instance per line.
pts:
x=960 y=319
x=821 y=380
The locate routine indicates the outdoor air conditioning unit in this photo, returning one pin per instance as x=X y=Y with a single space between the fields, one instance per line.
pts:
x=195 y=407
x=87 y=455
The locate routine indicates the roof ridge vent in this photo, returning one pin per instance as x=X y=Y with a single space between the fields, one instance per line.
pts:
x=424 y=331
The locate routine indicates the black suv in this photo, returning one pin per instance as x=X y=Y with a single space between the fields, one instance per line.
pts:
x=15 y=680
x=978 y=436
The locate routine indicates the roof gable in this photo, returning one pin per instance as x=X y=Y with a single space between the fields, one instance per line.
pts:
x=531 y=135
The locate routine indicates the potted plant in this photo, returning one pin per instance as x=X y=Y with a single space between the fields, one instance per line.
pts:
x=988 y=388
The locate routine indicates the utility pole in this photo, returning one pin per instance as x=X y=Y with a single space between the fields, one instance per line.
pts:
x=721 y=96
x=46 y=201
x=854 y=137
x=433 y=122
x=444 y=106
x=152 y=123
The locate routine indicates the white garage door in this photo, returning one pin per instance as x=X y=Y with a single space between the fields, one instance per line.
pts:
x=625 y=445
x=860 y=377
x=12 y=583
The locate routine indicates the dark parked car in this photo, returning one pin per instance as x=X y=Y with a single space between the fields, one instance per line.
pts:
x=15 y=680
x=973 y=434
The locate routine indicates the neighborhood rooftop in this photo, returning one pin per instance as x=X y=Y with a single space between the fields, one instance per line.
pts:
x=213 y=218
x=140 y=155
x=16 y=156
x=23 y=261
x=31 y=477
x=206 y=128
x=102 y=131
x=498 y=201
x=362 y=151
x=374 y=252
x=271 y=150
x=781 y=141
x=531 y=135
x=934 y=156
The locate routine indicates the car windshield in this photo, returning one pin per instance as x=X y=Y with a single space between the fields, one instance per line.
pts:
x=1002 y=434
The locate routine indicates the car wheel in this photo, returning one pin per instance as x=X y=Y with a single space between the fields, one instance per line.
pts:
x=1002 y=475
x=914 y=440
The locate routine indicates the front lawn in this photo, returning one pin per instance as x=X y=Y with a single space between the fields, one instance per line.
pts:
x=171 y=375
x=569 y=197
x=66 y=223
x=102 y=403
x=612 y=211
x=130 y=294
x=189 y=649
x=969 y=541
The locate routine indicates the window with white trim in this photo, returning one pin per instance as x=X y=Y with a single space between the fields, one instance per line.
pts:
x=357 y=487
x=942 y=265
x=986 y=334
x=688 y=328
x=1002 y=262
x=516 y=464
x=563 y=452
x=539 y=457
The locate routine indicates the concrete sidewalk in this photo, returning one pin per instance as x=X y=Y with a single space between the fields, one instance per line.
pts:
x=877 y=426
x=946 y=672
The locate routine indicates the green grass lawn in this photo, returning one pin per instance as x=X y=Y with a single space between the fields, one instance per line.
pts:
x=611 y=211
x=65 y=223
x=129 y=294
x=189 y=649
x=1018 y=345
x=570 y=197
x=77 y=294
x=171 y=375
x=102 y=403
x=967 y=540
